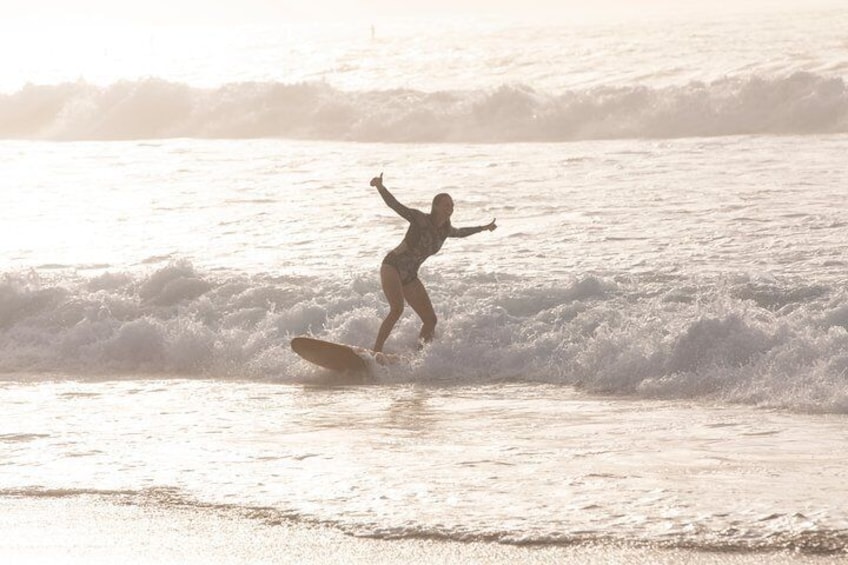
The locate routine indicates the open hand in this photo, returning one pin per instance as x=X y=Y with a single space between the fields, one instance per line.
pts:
x=491 y=226
x=377 y=181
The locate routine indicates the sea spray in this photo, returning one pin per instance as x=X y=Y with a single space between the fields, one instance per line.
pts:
x=633 y=336
x=797 y=103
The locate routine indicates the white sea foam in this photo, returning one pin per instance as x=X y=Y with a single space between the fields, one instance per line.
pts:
x=800 y=103
x=732 y=341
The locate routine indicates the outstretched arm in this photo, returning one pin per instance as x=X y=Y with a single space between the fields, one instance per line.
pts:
x=465 y=232
x=390 y=200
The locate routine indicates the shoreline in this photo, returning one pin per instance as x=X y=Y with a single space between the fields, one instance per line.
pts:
x=92 y=528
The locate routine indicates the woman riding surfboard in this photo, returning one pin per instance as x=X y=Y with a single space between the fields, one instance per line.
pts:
x=399 y=271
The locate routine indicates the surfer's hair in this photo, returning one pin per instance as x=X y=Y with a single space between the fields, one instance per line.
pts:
x=438 y=198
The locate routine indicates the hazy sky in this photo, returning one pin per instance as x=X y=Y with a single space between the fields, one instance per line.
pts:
x=243 y=11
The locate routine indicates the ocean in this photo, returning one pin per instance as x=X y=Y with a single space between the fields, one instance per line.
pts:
x=646 y=362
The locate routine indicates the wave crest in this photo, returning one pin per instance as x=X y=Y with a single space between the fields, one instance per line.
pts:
x=647 y=338
x=801 y=103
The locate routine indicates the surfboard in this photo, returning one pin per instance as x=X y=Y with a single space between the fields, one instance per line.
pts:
x=333 y=356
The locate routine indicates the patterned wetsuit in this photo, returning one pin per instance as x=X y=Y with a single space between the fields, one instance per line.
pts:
x=422 y=239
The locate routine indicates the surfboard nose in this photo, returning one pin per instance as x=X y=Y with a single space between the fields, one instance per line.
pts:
x=333 y=356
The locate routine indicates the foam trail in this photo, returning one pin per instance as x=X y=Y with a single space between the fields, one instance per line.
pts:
x=741 y=340
x=800 y=103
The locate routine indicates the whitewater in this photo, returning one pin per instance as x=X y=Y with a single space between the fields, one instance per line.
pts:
x=648 y=355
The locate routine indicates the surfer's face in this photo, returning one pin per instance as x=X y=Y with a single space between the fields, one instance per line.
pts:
x=442 y=208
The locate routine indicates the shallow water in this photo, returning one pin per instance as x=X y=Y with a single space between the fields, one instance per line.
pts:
x=509 y=463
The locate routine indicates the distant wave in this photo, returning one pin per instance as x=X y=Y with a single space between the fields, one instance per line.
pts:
x=778 y=344
x=802 y=103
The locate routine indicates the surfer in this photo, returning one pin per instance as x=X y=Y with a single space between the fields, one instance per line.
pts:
x=399 y=271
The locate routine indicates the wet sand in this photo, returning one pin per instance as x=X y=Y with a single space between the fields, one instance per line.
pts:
x=92 y=529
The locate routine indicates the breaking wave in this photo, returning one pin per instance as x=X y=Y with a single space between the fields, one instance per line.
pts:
x=772 y=343
x=801 y=103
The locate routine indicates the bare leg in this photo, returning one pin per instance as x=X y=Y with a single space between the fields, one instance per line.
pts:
x=418 y=298
x=393 y=289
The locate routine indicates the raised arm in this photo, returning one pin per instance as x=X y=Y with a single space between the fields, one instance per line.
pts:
x=390 y=200
x=465 y=232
